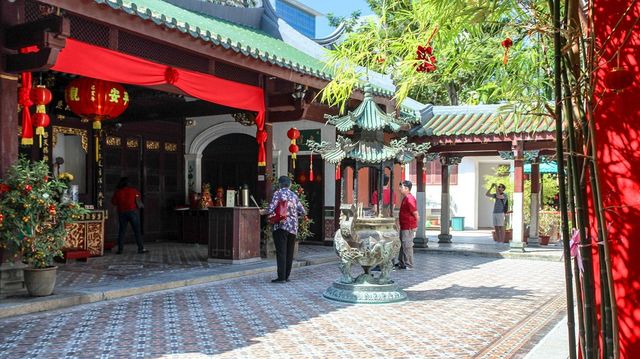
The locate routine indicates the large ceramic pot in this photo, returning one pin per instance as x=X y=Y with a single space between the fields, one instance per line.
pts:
x=40 y=281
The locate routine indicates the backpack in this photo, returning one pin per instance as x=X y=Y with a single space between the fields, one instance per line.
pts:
x=280 y=213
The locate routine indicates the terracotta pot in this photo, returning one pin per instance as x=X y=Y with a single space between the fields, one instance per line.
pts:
x=40 y=281
x=544 y=240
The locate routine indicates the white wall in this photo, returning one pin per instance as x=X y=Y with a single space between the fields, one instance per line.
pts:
x=463 y=195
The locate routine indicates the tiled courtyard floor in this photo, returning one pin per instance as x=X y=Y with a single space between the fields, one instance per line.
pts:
x=458 y=307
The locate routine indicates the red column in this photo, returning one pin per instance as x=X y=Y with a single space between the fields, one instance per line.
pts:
x=518 y=199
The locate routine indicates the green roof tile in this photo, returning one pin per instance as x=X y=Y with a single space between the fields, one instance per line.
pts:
x=249 y=41
x=483 y=120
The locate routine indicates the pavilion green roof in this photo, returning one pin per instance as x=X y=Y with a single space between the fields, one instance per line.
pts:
x=481 y=120
x=369 y=117
x=241 y=39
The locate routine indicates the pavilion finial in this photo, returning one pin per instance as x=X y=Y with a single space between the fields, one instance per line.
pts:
x=368 y=90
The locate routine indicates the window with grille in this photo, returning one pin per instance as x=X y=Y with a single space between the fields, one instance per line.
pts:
x=434 y=173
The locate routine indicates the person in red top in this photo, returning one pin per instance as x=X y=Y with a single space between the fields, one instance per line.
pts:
x=386 y=199
x=408 y=221
x=124 y=199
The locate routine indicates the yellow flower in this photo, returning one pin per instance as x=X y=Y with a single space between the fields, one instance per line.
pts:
x=65 y=176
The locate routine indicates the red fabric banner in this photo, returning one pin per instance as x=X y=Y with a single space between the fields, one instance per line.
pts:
x=92 y=61
x=616 y=120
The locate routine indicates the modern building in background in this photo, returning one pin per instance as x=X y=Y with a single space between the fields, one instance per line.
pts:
x=299 y=16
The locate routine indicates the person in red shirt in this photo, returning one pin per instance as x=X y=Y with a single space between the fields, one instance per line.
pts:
x=408 y=222
x=124 y=199
x=386 y=199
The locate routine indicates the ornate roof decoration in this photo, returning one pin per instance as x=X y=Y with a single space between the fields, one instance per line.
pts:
x=368 y=147
x=369 y=117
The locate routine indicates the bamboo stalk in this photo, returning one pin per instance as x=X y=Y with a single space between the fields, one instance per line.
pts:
x=571 y=202
x=591 y=344
x=561 y=180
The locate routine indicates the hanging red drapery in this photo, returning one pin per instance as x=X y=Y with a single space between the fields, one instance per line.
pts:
x=92 y=61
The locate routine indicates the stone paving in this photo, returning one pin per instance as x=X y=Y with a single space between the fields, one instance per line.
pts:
x=458 y=307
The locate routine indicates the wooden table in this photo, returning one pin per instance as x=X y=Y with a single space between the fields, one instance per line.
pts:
x=231 y=233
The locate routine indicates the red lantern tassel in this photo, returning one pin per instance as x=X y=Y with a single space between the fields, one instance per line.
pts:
x=338 y=176
x=311 y=169
x=402 y=173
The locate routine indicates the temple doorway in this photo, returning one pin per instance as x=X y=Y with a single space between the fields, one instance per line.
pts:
x=230 y=162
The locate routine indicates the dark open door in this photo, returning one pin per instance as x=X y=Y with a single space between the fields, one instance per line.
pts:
x=314 y=191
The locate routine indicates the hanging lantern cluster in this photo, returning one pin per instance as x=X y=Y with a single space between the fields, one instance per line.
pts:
x=618 y=78
x=427 y=62
x=293 y=135
x=96 y=100
x=506 y=43
x=426 y=59
x=41 y=97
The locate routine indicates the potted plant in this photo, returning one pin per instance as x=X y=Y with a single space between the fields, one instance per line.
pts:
x=548 y=222
x=33 y=213
x=304 y=222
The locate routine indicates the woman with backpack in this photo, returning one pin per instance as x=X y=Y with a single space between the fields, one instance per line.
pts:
x=283 y=211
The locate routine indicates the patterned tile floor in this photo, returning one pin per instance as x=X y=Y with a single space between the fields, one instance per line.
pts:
x=458 y=307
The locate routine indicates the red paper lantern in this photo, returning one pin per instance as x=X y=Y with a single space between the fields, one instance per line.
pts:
x=293 y=149
x=293 y=134
x=40 y=96
x=41 y=120
x=96 y=99
x=618 y=79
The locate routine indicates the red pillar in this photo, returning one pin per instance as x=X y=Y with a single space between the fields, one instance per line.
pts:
x=617 y=132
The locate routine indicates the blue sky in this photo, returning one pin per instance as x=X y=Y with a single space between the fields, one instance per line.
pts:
x=337 y=7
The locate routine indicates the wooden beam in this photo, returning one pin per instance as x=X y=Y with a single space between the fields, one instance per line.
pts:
x=48 y=31
x=491 y=148
x=42 y=60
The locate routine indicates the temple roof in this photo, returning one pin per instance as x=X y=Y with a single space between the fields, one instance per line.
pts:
x=441 y=121
x=242 y=39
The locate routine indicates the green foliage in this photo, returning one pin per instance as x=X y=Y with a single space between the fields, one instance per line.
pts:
x=466 y=39
x=33 y=213
x=349 y=22
x=304 y=222
x=548 y=222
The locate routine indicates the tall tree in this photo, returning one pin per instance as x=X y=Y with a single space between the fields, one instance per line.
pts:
x=465 y=39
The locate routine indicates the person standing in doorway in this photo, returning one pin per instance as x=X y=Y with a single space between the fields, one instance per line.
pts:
x=500 y=207
x=285 y=232
x=386 y=199
x=408 y=222
x=127 y=199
